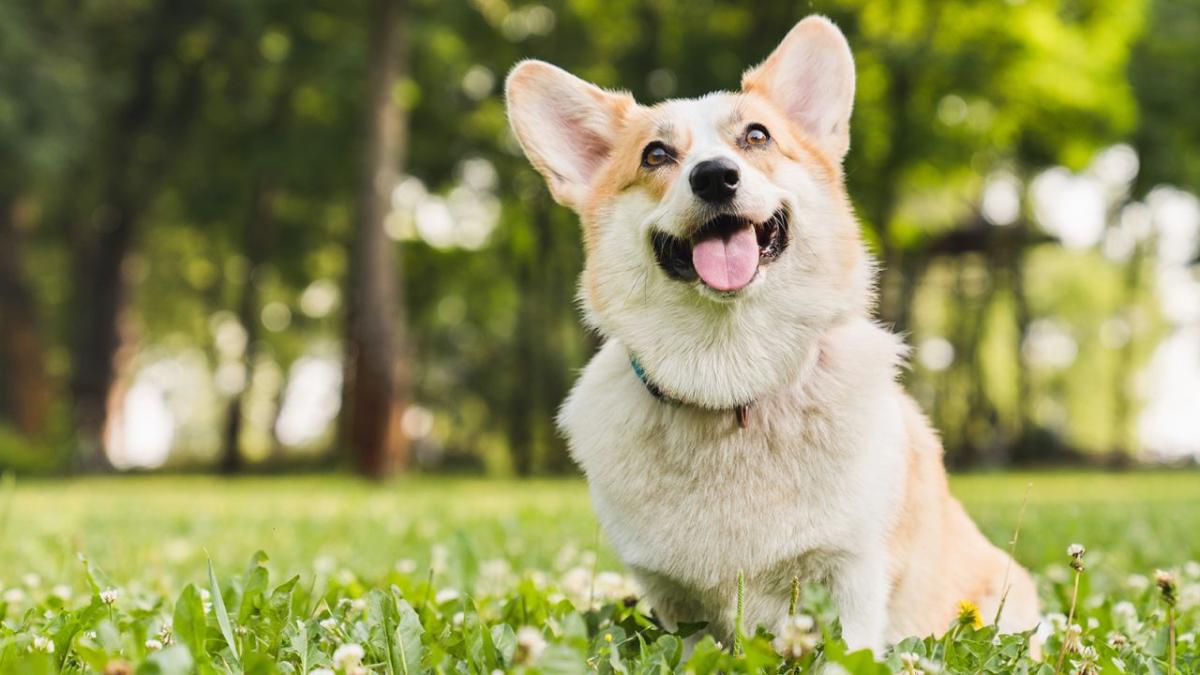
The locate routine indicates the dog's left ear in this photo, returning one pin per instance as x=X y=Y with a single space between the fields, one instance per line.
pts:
x=810 y=76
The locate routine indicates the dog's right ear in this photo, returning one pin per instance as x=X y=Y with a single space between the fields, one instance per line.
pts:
x=565 y=125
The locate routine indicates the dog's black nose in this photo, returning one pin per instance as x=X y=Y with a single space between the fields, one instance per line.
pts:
x=714 y=180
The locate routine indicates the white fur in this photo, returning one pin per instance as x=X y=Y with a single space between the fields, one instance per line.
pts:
x=813 y=486
x=688 y=499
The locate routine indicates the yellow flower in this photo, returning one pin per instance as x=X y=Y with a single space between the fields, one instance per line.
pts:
x=968 y=614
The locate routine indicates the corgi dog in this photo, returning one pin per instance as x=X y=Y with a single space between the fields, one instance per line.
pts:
x=743 y=415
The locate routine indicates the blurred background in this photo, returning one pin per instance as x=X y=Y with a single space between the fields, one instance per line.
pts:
x=275 y=236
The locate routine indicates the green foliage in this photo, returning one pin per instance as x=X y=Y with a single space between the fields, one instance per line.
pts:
x=531 y=600
x=200 y=117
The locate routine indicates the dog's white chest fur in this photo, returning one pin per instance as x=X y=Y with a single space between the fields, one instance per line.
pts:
x=688 y=498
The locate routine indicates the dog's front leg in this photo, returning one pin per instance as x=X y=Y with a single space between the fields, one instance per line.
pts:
x=860 y=591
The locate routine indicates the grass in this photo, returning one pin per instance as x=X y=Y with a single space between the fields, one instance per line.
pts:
x=482 y=575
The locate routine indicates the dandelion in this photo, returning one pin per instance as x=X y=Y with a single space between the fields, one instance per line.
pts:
x=109 y=596
x=42 y=644
x=153 y=645
x=909 y=663
x=1076 y=552
x=531 y=644
x=1168 y=589
x=797 y=636
x=348 y=657
x=969 y=615
x=1166 y=585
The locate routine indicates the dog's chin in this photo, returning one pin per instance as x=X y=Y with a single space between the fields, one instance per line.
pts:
x=678 y=257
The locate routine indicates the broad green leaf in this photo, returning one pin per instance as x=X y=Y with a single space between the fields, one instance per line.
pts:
x=218 y=604
x=189 y=623
x=173 y=660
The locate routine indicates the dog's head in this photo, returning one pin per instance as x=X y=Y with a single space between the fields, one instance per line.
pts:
x=720 y=243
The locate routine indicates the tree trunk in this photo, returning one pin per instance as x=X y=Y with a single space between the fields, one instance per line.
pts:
x=25 y=389
x=258 y=238
x=101 y=296
x=128 y=184
x=376 y=382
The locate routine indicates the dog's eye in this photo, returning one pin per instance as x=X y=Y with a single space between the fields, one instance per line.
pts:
x=655 y=155
x=757 y=135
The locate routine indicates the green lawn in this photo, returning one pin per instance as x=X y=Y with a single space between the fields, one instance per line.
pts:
x=153 y=536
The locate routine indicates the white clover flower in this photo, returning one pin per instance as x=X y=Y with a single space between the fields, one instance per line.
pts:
x=1191 y=569
x=31 y=580
x=62 y=592
x=910 y=663
x=14 y=596
x=1057 y=621
x=1137 y=582
x=1073 y=640
x=324 y=565
x=205 y=600
x=1117 y=640
x=1189 y=597
x=42 y=644
x=109 y=596
x=1086 y=665
x=321 y=671
x=530 y=645
x=446 y=595
x=348 y=656
x=153 y=645
x=359 y=604
x=1186 y=639
x=797 y=636
x=329 y=623
x=565 y=556
x=576 y=584
x=439 y=558
x=458 y=618
x=406 y=566
x=345 y=577
x=613 y=586
x=495 y=576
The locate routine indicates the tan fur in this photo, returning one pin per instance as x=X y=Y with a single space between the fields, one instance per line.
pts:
x=939 y=557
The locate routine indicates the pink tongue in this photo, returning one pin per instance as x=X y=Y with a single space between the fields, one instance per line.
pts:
x=727 y=264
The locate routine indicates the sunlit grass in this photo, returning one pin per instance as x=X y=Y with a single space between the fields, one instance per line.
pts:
x=154 y=536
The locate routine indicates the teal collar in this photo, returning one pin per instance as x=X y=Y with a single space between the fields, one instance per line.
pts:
x=741 y=413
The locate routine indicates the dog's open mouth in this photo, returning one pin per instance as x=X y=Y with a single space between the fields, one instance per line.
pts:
x=725 y=253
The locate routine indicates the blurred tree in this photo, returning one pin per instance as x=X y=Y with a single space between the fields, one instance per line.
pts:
x=376 y=372
x=141 y=122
